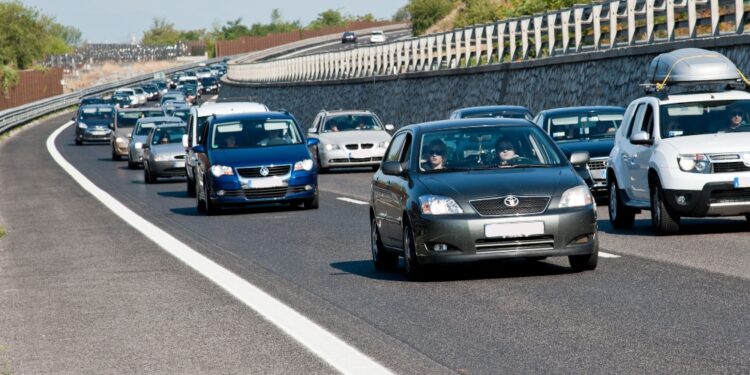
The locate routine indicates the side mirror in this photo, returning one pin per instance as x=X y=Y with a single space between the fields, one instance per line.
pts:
x=641 y=138
x=199 y=149
x=313 y=141
x=389 y=127
x=313 y=130
x=184 y=140
x=111 y=125
x=392 y=168
x=579 y=158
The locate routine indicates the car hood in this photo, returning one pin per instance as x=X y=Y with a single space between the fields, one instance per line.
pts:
x=596 y=148
x=466 y=186
x=168 y=149
x=139 y=138
x=260 y=155
x=710 y=143
x=354 y=136
x=123 y=132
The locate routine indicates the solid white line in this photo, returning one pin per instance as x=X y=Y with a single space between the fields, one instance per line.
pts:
x=607 y=255
x=345 y=199
x=315 y=338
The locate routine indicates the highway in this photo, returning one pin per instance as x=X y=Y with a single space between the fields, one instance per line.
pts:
x=655 y=305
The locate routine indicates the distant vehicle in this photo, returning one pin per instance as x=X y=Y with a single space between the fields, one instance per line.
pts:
x=180 y=111
x=92 y=122
x=590 y=129
x=152 y=90
x=349 y=37
x=377 y=36
x=163 y=154
x=142 y=96
x=140 y=132
x=92 y=100
x=210 y=85
x=470 y=190
x=493 y=111
x=134 y=100
x=174 y=97
x=349 y=138
x=121 y=100
x=122 y=128
x=254 y=158
x=197 y=121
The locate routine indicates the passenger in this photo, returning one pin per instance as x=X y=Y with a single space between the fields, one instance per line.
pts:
x=436 y=155
x=230 y=142
x=164 y=139
x=332 y=127
x=276 y=137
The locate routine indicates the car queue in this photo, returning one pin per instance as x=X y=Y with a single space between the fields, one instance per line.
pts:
x=491 y=182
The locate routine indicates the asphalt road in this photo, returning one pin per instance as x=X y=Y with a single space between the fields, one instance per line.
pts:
x=667 y=305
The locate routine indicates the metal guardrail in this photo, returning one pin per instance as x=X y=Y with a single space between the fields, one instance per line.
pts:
x=582 y=28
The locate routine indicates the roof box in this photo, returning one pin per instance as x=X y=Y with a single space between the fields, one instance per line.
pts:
x=691 y=65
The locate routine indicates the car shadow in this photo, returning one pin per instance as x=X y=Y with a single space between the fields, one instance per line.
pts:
x=174 y=194
x=114 y=161
x=498 y=269
x=349 y=171
x=228 y=211
x=688 y=226
x=73 y=144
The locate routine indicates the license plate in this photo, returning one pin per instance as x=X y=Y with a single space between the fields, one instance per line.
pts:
x=511 y=230
x=99 y=132
x=741 y=182
x=260 y=183
x=179 y=164
x=600 y=174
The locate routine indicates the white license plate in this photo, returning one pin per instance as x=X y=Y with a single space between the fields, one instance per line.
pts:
x=599 y=174
x=99 y=132
x=178 y=164
x=511 y=230
x=741 y=182
x=269 y=182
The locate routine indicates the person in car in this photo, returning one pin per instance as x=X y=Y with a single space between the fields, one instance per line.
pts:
x=435 y=155
x=735 y=121
x=276 y=137
x=230 y=142
x=506 y=153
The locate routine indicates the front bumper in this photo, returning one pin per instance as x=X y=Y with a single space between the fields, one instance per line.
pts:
x=347 y=158
x=94 y=135
x=715 y=199
x=566 y=232
x=168 y=168
x=121 y=148
x=229 y=191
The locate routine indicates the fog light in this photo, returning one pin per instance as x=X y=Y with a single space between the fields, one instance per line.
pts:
x=440 y=247
x=220 y=193
x=681 y=200
x=582 y=239
x=308 y=187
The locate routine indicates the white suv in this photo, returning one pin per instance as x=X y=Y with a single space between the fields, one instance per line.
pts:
x=683 y=155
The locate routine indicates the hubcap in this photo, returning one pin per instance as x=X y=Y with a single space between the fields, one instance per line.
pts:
x=613 y=201
x=657 y=205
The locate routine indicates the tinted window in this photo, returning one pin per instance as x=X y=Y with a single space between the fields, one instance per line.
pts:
x=96 y=113
x=394 y=151
x=637 y=116
x=255 y=133
x=711 y=117
x=497 y=114
x=167 y=135
x=351 y=122
x=583 y=126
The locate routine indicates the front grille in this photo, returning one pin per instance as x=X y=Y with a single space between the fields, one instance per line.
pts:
x=277 y=192
x=594 y=164
x=367 y=146
x=730 y=196
x=254 y=172
x=174 y=171
x=515 y=244
x=352 y=147
x=735 y=166
x=355 y=160
x=497 y=207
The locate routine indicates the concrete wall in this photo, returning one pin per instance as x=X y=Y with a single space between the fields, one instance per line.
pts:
x=596 y=78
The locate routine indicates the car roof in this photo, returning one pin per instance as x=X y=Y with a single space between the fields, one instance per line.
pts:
x=466 y=123
x=705 y=96
x=224 y=108
x=140 y=109
x=569 y=110
x=347 y=111
x=161 y=118
x=516 y=108
x=252 y=116
x=96 y=105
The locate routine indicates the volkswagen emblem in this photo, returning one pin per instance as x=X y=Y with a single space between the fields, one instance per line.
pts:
x=511 y=201
x=264 y=171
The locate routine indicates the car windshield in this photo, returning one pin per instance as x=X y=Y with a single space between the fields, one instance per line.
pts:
x=583 y=126
x=497 y=114
x=144 y=127
x=351 y=122
x=168 y=134
x=487 y=147
x=94 y=113
x=255 y=133
x=182 y=114
x=710 y=117
x=129 y=118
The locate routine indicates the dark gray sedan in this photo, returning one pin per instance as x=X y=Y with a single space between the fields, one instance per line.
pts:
x=163 y=153
x=478 y=189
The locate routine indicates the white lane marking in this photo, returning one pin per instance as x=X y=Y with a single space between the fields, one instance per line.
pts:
x=309 y=334
x=607 y=255
x=345 y=199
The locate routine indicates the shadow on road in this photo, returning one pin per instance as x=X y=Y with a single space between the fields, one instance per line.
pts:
x=688 y=226
x=230 y=211
x=502 y=269
x=174 y=194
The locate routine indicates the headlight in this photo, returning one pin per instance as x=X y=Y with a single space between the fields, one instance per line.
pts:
x=120 y=140
x=138 y=145
x=306 y=164
x=221 y=170
x=82 y=125
x=383 y=144
x=695 y=163
x=439 y=205
x=578 y=196
x=331 y=147
x=164 y=157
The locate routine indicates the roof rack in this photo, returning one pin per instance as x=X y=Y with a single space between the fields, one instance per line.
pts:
x=692 y=66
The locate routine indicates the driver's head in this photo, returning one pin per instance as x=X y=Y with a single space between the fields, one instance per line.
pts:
x=736 y=119
x=505 y=149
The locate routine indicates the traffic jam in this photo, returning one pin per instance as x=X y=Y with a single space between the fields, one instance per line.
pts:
x=486 y=183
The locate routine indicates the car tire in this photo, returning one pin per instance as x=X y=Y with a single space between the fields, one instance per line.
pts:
x=663 y=220
x=190 y=187
x=375 y=168
x=131 y=165
x=321 y=169
x=414 y=270
x=148 y=176
x=620 y=215
x=381 y=258
x=211 y=208
x=115 y=156
x=587 y=262
x=312 y=204
x=79 y=142
x=199 y=203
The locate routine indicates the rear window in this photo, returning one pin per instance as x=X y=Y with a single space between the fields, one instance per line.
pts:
x=584 y=126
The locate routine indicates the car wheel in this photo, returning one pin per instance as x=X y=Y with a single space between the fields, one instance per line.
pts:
x=190 y=187
x=211 y=208
x=620 y=215
x=586 y=262
x=79 y=142
x=199 y=202
x=664 y=221
x=321 y=169
x=131 y=165
x=414 y=271
x=148 y=176
x=115 y=156
x=375 y=168
x=312 y=204
x=382 y=259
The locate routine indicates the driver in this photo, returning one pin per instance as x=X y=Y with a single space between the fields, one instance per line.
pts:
x=735 y=121
x=506 y=153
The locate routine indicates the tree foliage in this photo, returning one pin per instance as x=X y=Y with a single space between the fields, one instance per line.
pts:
x=476 y=12
x=330 y=17
x=425 y=13
x=401 y=15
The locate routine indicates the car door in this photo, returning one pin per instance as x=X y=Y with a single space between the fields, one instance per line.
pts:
x=399 y=192
x=642 y=155
x=382 y=198
x=628 y=151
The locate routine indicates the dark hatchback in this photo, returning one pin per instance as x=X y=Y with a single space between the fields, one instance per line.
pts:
x=479 y=189
x=254 y=158
x=591 y=129
x=493 y=111
x=93 y=122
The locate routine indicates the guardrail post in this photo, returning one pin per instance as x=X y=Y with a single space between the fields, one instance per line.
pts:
x=458 y=37
x=439 y=45
x=538 y=22
x=739 y=16
x=448 y=50
x=596 y=19
x=670 y=19
x=551 y=26
x=412 y=55
x=500 y=26
x=512 y=26
x=692 y=18
x=420 y=54
x=430 y=53
x=489 y=33
x=650 y=21
x=565 y=22
x=399 y=57
x=631 y=21
x=614 y=6
x=478 y=45
x=525 y=22
x=715 y=18
x=577 y=23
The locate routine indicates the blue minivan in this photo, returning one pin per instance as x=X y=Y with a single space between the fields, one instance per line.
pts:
x=254 y=158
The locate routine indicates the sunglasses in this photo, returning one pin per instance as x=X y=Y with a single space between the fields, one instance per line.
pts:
x=505 y=148
x=436 y=152
x=737 y=114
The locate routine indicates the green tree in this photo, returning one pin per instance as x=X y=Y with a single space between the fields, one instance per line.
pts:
x=161 y=33
x=234 y=29
x=425 y=13
x=197 y=34
x=20 y=41
x=476 y=12
x=330 y=17
x=401 y=15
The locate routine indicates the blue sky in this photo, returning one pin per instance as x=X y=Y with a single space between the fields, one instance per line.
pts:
x=117 y=21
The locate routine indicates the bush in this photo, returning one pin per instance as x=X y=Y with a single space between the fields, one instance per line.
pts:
x=425 y=13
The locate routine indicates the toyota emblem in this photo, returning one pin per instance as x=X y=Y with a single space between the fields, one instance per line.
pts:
x=511 y=201
x=264 y=171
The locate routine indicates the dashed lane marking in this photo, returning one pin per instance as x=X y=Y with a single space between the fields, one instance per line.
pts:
x=345 y=199
x=608 y=255
x=327 y=346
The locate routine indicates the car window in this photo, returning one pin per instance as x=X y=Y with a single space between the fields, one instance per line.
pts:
x=709 y=117
x=95 y=113
x=404 y=158
x=255 y=133
x=394 y=152
x=583 y=126
x=351 y=123
x=637 y=120
x=167 y=135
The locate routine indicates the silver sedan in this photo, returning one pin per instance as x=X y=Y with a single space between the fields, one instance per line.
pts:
x=163 y=153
